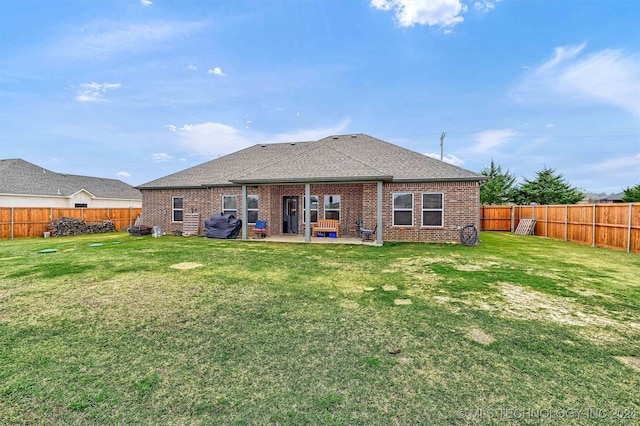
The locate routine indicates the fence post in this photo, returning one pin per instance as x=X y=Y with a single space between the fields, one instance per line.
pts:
x=593 y=232
x=513 y=218
x=12 y=222
x=546 y=221
x=566 y=222
x=629 y=228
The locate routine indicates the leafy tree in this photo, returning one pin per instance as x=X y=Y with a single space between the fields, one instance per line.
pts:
x=549 y=187
x=631 y=195
x=499 y=188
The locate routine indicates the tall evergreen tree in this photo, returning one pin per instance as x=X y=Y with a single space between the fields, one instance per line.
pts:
x=631 y=195
x=499 y=188
x=548 y=187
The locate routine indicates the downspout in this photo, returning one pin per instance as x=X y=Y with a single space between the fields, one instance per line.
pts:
x=307 y=212
x=379 y=214
x=244 y=212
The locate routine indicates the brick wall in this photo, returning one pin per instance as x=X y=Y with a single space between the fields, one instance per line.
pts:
x=461 y=207
x=358 y=200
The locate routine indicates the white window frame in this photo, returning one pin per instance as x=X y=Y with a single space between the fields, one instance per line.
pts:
x=393 y=203
x=311 y=209
x=326 y=202
x=174 y=209
x=252 y=209
x=441 y=210
x=233 y=212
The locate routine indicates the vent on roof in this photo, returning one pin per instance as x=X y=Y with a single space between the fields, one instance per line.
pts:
x=354 y=136
x=293 y=143
x=263 y=146
x=335 y=137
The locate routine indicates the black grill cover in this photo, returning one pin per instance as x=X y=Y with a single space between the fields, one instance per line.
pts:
x=222 y=226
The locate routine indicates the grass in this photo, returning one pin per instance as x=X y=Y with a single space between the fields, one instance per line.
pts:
x=195 y=331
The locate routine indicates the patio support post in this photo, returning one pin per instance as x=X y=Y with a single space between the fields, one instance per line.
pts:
x=244 y=212
x=307 y=213
x=379 y=214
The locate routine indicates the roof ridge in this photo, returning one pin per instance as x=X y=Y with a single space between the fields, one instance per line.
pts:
x=309 y=147
x=326 y=142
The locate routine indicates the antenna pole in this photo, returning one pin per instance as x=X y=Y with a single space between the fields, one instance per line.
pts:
x=442 y=145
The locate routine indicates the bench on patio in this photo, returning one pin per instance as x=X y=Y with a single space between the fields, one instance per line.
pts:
x=326 y=225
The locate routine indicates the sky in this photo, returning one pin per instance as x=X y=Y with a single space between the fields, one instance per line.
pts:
x=139 y=89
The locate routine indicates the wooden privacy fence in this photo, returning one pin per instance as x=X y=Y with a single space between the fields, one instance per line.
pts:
x=615 y=226
x=20 y=222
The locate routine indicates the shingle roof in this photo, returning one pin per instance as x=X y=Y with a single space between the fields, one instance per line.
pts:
x=341 y=158
x=20 y=177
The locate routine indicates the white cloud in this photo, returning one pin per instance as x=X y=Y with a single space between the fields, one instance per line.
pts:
x=123 y=174
x=561 y=55
x=484 y=5
x=171 y=127
x=91 y=92
x=627 y=165
x=451 y=159
x=216 y=71
x=212 y=139
x=444 y=13
x=146 y=2
x=101 y=40
x=311 y=134
x=490 y=139
x=192 y=67
x=215 y=139
x=160 y=157
x=608 y=76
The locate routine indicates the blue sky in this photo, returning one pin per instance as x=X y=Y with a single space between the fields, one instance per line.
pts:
x=138 y=89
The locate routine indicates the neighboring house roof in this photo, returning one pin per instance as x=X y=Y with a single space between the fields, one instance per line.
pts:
x=604 y=198
x=19 y=177
x=343 y=158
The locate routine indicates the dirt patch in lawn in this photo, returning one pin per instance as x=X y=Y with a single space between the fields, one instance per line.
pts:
x=185 y=265
x=629 y=361
x=518 y=302
x=524 y=303
x=480 y=336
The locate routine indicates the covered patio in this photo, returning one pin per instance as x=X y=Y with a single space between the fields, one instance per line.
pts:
x=300 y=238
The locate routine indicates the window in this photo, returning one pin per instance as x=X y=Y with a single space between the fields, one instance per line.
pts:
x=313 y=209
x=403 y=209
x=432 y=209
x=332 y=207
x=80 y=205
x=177 y=211
x=230 y=205
x=252 y=208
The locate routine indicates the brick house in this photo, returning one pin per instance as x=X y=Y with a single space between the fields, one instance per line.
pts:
x=408 y=196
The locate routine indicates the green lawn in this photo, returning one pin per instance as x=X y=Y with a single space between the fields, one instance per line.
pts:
x=513 y=331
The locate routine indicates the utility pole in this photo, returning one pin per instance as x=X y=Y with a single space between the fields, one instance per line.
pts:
x=442 y=145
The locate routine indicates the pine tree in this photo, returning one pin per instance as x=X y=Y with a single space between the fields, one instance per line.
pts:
x=631 y=195
x=499 y=188
x=549 y=187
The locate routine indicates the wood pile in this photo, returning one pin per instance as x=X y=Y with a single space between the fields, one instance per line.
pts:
x=66 y=226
